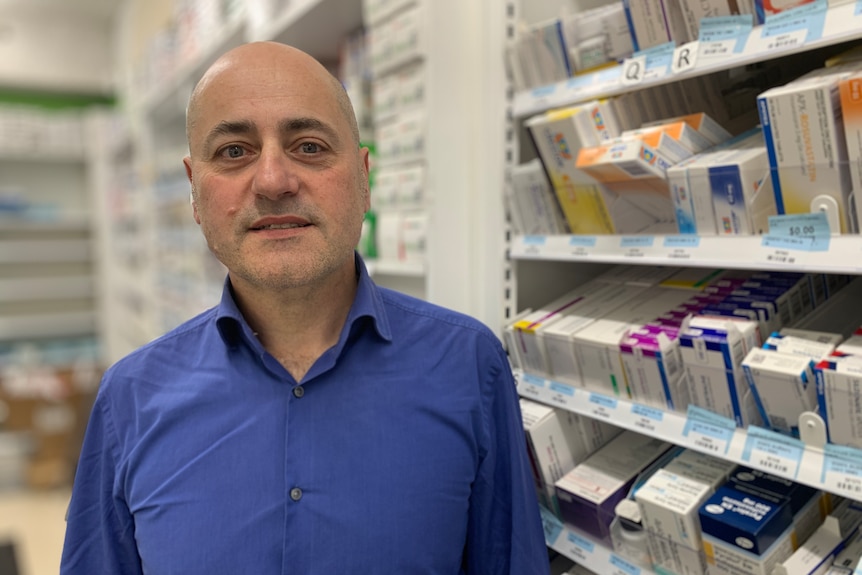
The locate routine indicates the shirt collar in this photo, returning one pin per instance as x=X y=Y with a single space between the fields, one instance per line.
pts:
x=368 y=303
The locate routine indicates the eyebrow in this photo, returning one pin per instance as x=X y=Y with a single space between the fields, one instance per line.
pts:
x=289 y=125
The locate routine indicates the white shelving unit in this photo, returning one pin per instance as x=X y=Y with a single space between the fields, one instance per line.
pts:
x=544 y=267
x=47 y=258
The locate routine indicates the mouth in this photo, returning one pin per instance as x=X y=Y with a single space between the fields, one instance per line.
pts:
x=279 y=227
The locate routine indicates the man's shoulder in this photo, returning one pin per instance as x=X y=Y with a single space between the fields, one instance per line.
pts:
x=419 y=312
x=165 y=349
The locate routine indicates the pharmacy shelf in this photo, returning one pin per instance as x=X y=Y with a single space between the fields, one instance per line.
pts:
x=395 y=268
x=838 y=254
x=585 y=551
x=66 y=224
x=46 y=288
x=45 y=251
x=841 y=24
x=317 y=26
x=21 y=327
x=168 y=99
x=44 y=156
x=809 y=464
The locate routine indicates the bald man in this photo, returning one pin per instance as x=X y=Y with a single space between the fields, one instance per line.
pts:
x=311 y=422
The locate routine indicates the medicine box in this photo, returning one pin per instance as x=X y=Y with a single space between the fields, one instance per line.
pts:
x=839 y=398
x=808 y=506
x=745 y=532
x=558 y=136
x=597 y=345
x=648 y=23
x=832 y=339
x=851 y=107
x=804 y=133
x=531 y=352
x=589 y=493
x=817 y=552
x=798 y=346
x=654 y=370
x=534 y=204
x=669 y=506
x=558 y=338
x=742 y=195
x=553 y=439
x=784 y=387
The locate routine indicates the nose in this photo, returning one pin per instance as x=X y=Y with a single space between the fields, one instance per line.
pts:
x=274 y=175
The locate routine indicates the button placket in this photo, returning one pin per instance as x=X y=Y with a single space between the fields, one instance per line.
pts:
x=298 y=391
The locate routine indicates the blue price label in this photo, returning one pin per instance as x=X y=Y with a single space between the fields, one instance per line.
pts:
x=533 y=380
x=637 y=241
x=773 y=452
x=682 y=241
x=603 y=400
x=583 y=241
x=534 y=240
x=810 y=17
x=648 y=412
x=562 y=388
x=624 y=566
x=585 y=544
x=543 y=91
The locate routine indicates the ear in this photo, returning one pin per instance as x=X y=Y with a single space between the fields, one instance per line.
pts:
x=366 y=170
x=187 y=162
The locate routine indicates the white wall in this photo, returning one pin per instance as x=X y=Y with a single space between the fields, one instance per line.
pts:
x=56 y=50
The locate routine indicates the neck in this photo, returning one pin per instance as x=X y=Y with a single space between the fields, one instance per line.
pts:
x=297 y=325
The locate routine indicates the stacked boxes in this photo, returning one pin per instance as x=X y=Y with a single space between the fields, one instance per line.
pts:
x=589 y=493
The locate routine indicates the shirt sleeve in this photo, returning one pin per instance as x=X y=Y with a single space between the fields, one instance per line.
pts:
x=505 y=534
x=100 y=535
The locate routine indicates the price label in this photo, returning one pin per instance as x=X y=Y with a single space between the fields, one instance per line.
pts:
x=722 y=36
x=708 y=431
x=541 y=96
x=530 y=385
x=759 y=45
x=602 y=406
x=772 y=452
x=577 y=548
x=534 y=240
x=583 y=241
x=809 y=18
x=636 y=241
x=563 y=394
x=623 y=567
x=858 y=10
x=681 y=246
x=779 y=256
x=552 y=526
x=659 y=60
x=842 y=471
x=647 y=417
x=608 y=79
x=808 y=232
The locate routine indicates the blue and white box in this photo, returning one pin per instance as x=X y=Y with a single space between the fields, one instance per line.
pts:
x=745 y=532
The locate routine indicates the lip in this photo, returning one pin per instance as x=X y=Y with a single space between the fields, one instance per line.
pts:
x=258 y=225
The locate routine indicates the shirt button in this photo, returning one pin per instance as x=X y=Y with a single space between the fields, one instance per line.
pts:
x=298 y=391
x=296 y=493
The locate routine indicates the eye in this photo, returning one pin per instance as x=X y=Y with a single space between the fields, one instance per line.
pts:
x=310 y=148
x=233 y=151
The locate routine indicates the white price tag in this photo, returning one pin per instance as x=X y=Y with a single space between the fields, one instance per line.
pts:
x=602 y=407
x=769 y=452
x=530 y=385
x=758 y=45
x=622 y=567
x=581 y=245
x=577 y=548
x=647 y=418
x=562 y=394
x=842 y=471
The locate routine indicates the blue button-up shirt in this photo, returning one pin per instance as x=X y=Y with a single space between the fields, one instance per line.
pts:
x=400 y=452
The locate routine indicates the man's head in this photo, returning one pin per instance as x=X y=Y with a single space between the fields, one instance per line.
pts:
x=279 y=182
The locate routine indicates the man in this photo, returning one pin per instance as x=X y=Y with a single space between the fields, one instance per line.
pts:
x=312 y=422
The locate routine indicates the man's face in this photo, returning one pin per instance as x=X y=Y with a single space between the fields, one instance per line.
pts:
x=280 y=185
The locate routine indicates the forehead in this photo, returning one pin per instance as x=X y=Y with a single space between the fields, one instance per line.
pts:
x=264 y=91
